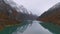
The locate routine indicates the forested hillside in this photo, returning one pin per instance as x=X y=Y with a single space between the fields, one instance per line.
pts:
x=11 y=13
x=51 y=15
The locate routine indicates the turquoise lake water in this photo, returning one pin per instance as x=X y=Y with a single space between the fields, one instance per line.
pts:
x=32 y=27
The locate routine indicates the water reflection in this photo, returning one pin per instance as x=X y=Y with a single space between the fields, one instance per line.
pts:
x=23 y=26
x=32 y=27
x=55 y=29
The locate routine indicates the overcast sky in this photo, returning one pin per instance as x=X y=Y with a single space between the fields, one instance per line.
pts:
x=37 y=6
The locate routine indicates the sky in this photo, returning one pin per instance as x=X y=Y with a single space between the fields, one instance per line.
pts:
x=37 y=6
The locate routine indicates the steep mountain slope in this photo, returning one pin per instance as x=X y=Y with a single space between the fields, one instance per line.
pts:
x=11 y=13
x=52 y=15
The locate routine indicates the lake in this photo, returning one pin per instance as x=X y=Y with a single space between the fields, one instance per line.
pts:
x=32 y=27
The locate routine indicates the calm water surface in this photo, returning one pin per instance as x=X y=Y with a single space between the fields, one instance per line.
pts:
x=32 y=27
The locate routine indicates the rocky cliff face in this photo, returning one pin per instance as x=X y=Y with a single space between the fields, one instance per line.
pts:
x=51 y=15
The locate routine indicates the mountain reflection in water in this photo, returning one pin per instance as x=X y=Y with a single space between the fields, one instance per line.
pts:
x=32 y=27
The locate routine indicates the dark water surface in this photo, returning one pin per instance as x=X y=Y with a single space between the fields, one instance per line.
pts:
x=32 y=27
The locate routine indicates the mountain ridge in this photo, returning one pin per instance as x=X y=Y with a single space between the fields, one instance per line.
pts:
x=51 y=15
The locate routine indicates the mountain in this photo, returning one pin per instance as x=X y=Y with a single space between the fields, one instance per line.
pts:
x=24 y=14
x=51 y=15
x=11 y=13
